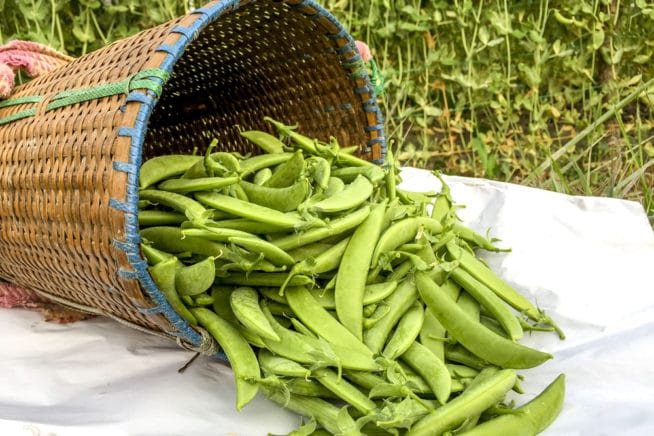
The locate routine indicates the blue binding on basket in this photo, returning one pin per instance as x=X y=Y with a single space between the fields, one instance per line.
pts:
x=350 y=59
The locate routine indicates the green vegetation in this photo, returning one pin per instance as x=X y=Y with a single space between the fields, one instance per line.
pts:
x=521 y=91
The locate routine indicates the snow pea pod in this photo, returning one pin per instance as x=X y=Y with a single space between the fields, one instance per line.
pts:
x=163 y=167
x=353 y=271
x=241 y=357
x=472 y=334
x=490 y=389
x=529 y=419
x=352 y=196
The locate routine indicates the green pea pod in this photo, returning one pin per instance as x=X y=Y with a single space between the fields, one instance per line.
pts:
x=309 y=350
x=193 y=210
x=396 y=305
x=348 y=174
x=529 y=419
x=431 y=368
x=245 y=305
x=283 y=199
x=474 y=400
x=249 y=210
x=313 y=315
x=271 y=252
x=255 y=163
x=406 y=332
x=353 y=271
x=153 y=255
x=264 y=140
x=288 y=172
x=472 y=334
x=482 y=273
x=336 y=226
x=344 y=390
x=281 y=366
x=490 y=301
x=261 y=176
x=163 y=274
x=241 y=357
x=354 y=194
x=184 y=186
x=163 y=167
x=149 y=218
x=403 y=231
x=197 y=278
x=324 y=412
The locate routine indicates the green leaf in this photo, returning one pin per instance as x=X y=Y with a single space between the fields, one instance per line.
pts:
x=597 y=38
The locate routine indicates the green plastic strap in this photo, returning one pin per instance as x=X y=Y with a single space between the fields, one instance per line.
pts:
x=142 y=80
x=21 y=100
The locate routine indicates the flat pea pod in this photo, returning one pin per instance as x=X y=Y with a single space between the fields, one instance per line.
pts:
x=309 y=350
x=154 y=256
x=353 y=271
x=256 y=279
x=406 y=332
x=472 y=401
x=264 y=140
x=184 y=186
x=344 y=390
x=334 y=186
x=163 y=167
x=336 y=226
x=244 y=302
x=283 y=199
x=317 y=319
x=248 y=210
x=472 y=334
x=403 y=231
x=257 y=245
x=483 y=274
x=222 y=307
x=261 y=176
x=354 y=194
x=348 y=174
x=171 y=239
x=149 y=218
x=396 y=305
x=281 y=366
x=324 y=412
x=288 y=172
x=490 y=301
x=196 y=278
x=246 y=225
x=163 y=275
x=309 y=251
x=529 y=419
x=241 y=357
x=432 y=335
x=255 y=163
x=430 y=368
x=213 y=233
x=193 y=210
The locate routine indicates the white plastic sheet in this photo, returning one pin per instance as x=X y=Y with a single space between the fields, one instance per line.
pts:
x=587 y=261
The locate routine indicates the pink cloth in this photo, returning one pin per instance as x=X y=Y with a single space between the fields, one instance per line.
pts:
x=15 y=296
x=363 y=48
x=33 y=58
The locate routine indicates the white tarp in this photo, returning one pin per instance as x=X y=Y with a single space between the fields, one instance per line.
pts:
x=588 y=262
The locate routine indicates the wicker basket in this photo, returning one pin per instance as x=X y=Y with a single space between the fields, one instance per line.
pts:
x=72 y=141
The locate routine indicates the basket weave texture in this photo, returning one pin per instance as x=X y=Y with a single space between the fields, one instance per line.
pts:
x=72 y=141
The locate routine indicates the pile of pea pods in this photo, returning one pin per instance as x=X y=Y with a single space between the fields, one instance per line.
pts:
x=361 y=306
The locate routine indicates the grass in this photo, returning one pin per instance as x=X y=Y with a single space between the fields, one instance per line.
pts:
x=550 y=94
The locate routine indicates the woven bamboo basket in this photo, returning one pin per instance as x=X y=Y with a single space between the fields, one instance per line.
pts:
x=72 y=141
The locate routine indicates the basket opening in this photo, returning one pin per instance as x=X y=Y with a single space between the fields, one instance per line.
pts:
x=261 y=59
